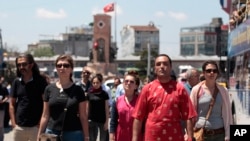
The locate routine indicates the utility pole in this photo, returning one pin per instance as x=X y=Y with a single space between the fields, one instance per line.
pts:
x=1 y=52
x=149 y=59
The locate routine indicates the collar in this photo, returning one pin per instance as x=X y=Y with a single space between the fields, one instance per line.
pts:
x=21 y=79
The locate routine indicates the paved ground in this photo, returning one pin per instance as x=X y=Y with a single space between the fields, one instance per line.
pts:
x=241 y=117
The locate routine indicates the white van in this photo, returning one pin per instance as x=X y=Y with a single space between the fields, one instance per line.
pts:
x=110 y=83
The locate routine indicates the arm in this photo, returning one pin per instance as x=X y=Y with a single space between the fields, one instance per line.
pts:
x=113 y=121
x=6 y=95
x=107 y=114
x=189 y=128
x=137 y=124
x=12 y=105
x=84 y=119
x=44 y=119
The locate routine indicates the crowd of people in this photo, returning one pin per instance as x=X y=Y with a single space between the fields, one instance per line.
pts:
x=159 y=109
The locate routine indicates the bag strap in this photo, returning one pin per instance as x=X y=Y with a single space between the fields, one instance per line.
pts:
x=66 y=108
x=211 y=104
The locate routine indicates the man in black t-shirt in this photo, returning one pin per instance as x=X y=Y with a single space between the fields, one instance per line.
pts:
x=85 y=82
x=26 y=103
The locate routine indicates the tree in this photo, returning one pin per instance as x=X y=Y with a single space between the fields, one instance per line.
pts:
x=43 y=51
x=142 y=65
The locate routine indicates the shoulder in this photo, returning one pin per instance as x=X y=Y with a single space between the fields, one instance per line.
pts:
x=51 y=86
x=221 y=88
x=78 y=83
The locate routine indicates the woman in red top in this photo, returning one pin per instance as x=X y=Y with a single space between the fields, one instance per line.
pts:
x=122 y=109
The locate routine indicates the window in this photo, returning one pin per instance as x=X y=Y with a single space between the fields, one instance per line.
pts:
x=187 y=49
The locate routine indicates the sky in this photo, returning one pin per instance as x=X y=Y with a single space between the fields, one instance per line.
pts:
x=28 y=21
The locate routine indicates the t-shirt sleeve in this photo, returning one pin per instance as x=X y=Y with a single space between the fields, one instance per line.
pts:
x=47 y=93
x=13 y=88
x=80 y=94
x=141 y=104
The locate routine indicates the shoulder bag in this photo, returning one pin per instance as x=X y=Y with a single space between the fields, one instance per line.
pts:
x=199 y=132
x=54 y=137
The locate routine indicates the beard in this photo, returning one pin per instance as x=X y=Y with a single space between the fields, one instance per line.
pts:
x=23 y=70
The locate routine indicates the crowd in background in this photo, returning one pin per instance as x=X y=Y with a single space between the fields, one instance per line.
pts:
x=154 y=108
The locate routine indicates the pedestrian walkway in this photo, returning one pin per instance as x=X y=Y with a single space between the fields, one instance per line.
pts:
x=8 y=134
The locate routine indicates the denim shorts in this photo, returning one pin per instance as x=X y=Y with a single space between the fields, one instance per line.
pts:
x=68 y=135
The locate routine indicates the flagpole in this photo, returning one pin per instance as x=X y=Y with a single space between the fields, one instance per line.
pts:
x=115 y=23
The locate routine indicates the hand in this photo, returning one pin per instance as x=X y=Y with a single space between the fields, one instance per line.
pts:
x=105 y=126
x=185 y=137
x=111 y=136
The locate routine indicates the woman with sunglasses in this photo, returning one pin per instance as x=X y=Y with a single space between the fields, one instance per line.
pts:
x=121 y=122
x=218 y=123
x=64 y=94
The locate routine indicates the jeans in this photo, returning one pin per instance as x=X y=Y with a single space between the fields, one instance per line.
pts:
x=93 y=131
x=68 y=135
x=1 y=125
x=217 y=137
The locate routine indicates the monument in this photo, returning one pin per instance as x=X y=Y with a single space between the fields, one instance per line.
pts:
x=102 y=52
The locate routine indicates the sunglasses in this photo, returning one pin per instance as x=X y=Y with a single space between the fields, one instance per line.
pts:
x=24 y=64
x=132 y=72
x=63 y=65
x=86 y=72
x=130 y=81
x=211 y=70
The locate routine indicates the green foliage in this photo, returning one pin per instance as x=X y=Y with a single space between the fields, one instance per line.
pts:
x=43 y=52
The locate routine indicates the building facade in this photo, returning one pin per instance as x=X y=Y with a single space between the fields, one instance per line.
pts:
x=77 y=41
x=209 y=39
x=137 y=38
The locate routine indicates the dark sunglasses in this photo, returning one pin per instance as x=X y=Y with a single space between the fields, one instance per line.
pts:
x=24 y=64
x=86 y=72
x=63 y=65
x=130 y=81
x=211 y=70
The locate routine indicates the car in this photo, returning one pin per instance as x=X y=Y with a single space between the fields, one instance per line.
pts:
x=110 y=82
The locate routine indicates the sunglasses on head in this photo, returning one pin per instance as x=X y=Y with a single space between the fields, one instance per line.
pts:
x=24 y=64
x=130 y=81
x=211 y=70
x=133 y=72
x=63 y=65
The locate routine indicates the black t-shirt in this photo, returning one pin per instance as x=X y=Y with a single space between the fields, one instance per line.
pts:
x=97 y=111
x=29 y=102
x=57 y=100
x=3 y=93
x=84 y=87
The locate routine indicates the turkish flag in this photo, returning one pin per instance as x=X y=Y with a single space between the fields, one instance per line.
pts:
x=109 y=7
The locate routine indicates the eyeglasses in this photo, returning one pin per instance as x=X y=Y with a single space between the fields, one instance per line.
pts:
x=211 y=70
x=24 y=64
x=86 y=72
x=130 y=81
x=63 y=65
